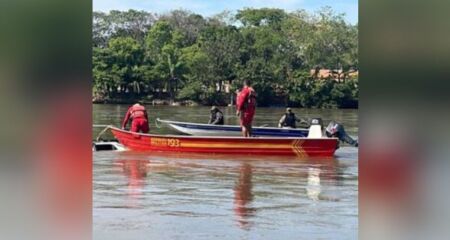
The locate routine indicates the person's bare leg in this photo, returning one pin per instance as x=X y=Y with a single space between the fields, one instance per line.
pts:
x=247 y=131
x=241 y=116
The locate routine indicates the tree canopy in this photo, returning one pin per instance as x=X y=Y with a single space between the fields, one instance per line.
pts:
x=182 y=55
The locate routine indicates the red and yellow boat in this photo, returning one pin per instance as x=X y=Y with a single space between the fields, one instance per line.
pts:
x=301 y=147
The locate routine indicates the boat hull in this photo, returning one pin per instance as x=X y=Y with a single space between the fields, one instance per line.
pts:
x=198 y=129
x=301 y=147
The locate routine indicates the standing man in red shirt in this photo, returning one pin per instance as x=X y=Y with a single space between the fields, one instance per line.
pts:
x=139 y=118
x=246 y=106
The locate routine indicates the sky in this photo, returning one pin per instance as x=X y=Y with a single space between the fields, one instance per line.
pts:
x=211 y=7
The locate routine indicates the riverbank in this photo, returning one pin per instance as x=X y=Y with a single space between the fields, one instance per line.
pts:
x=189 y=103
x=154 y=102
x=223 y=101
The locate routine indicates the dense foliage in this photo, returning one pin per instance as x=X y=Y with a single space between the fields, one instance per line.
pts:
x=184 y=56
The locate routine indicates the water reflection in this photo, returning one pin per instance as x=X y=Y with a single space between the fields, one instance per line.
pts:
x=230 y=196
x=313 y=184
x=136 y=172
x=243 y=196
x=323 y=176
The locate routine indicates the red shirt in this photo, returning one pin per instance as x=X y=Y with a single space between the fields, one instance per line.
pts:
x=246 y=100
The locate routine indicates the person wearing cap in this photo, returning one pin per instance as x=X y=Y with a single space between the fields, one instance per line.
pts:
x=139 y=119
x=216 y=117
x=288 y=119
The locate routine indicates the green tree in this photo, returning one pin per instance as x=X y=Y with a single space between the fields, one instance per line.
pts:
x=267 y=55
x=118 y=69
x=130 y=23
x=221 y=45
x=258 y=17
x=187 y=23
x=333 y=42
x=163 y=45
x=182 y=55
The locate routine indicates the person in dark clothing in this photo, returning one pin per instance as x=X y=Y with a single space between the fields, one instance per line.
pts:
x=335 y=129
x=288 y=119
x=216 y=117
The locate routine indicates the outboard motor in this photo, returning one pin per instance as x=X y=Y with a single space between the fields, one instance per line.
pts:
x=335 y=129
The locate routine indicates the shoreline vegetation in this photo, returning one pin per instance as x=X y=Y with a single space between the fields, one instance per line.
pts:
x=296 y=59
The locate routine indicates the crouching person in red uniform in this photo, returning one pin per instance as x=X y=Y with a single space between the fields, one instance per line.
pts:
x=246 y=106
x=139 y=119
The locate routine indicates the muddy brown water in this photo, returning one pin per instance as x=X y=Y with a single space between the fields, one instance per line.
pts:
x=193 y=196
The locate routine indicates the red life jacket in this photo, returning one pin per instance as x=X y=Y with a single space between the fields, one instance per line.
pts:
x=137 y=111
x=250 y=101
x=252 y=98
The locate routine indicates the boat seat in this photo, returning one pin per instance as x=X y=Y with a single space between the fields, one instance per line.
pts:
x=315 y=131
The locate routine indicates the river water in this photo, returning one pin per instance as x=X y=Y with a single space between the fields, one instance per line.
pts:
x=191 y=196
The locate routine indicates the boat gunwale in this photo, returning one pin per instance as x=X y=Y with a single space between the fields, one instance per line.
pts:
x=218 y=137
x=230 y=126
